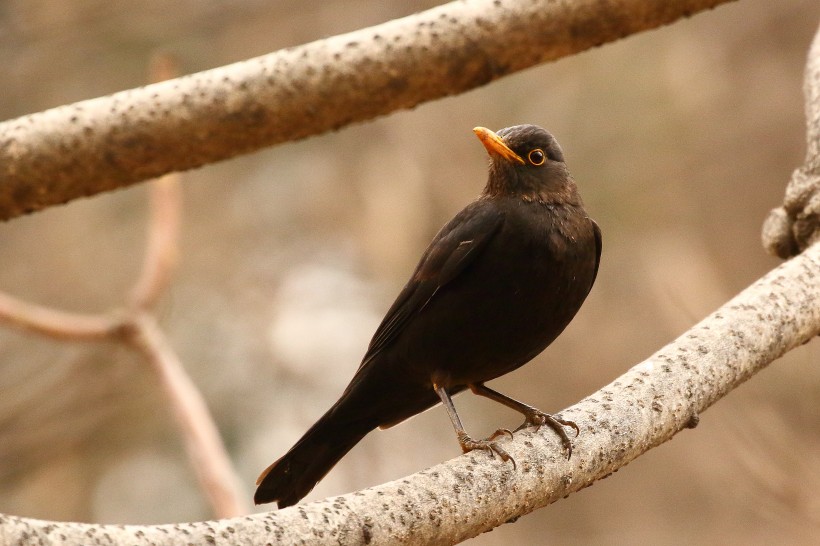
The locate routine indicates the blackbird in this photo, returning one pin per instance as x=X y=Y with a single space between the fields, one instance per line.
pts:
x=495 y=287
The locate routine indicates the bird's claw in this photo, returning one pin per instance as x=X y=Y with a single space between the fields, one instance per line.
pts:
x=501 y=432
x=468 y=444
x=537 y=419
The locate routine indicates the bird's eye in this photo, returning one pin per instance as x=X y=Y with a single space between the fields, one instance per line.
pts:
x=536 y=157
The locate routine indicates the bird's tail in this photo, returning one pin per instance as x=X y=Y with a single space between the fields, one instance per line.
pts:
x=293 y=476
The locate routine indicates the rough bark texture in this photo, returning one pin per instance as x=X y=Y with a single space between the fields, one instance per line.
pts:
x=792 y=227
x=473 y=493
x=96 y=145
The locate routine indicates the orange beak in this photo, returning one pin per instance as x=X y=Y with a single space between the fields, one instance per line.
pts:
x=496 y=146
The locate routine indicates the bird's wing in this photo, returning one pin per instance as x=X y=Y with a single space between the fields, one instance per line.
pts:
x=452 y=250
x=598 y=245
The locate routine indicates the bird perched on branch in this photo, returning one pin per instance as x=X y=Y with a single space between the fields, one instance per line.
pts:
x=495 y=287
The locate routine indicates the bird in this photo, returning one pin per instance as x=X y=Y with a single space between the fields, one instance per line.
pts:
x=495 y=287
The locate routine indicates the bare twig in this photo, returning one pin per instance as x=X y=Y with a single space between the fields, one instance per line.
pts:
x=161 y=248
x=203 y=443
x=137 y=327
x=57 y=324
x=97 y=145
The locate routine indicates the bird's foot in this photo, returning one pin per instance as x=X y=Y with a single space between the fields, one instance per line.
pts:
x=536 y=418
x=500 y=432
x=489 y=445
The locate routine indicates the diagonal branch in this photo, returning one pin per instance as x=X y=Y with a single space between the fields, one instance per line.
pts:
x=203 y=444
x=473 y=493
x=97 y=145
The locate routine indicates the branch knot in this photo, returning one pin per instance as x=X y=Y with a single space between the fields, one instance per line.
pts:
x=793 y=227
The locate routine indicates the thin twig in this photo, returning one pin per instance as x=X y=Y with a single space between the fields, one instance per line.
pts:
x=57 y=324
x=203 y=443
x=161 y=248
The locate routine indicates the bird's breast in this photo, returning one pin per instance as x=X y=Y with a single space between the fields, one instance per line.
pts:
x=515 y=299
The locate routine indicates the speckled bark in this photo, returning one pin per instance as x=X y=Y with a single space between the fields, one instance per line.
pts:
x=473 y=493
x=792 y=227
x=92 y=146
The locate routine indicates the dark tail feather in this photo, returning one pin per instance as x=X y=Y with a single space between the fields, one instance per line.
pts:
x=293 y=476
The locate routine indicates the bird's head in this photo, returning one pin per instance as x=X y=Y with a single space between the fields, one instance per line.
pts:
x=526 y=161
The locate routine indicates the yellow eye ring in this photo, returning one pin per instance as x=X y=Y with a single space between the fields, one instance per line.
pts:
x=537 y=157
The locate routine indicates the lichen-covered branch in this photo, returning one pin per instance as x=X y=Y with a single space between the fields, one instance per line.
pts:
x=463 y=497
x=793 y=226
x=96 y=145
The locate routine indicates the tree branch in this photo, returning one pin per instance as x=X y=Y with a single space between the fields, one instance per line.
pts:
x=793 y=226
x=97 y=145
x=161 y=248
x=55 y=323
x=473 y=493
x=166 y=210
x=136 y=326
x=203 y=444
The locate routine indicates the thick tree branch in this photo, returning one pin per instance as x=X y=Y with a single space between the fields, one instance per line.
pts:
x=473 y=493
x=96 y=145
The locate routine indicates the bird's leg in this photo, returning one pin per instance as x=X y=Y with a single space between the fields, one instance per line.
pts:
x=532 y=416
x=468 y=444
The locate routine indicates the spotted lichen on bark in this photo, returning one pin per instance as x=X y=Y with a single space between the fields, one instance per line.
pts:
x=792 y=227
x=101 y=144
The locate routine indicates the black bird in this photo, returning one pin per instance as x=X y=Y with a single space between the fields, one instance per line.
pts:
x=495 y=287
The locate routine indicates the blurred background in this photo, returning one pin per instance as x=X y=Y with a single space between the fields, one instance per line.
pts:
x=681 y=139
